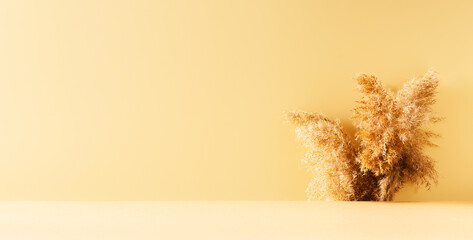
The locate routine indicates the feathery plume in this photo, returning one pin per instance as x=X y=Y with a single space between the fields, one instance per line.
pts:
x=386 y=151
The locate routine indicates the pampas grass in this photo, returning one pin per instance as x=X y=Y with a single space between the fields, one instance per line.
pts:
x=386 y=151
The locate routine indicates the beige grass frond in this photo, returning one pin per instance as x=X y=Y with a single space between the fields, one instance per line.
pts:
x=387 y=149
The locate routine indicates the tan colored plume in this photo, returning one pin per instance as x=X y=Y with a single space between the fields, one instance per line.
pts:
x=386 y=151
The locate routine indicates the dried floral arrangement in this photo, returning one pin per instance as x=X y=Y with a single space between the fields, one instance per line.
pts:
x=386 y=151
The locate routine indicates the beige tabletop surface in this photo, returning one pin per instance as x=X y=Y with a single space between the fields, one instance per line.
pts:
x=236 y=220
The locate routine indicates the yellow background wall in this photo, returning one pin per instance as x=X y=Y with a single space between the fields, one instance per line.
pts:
x=182 y=100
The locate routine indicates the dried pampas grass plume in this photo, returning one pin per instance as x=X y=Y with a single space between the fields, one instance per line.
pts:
x=386 y=151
